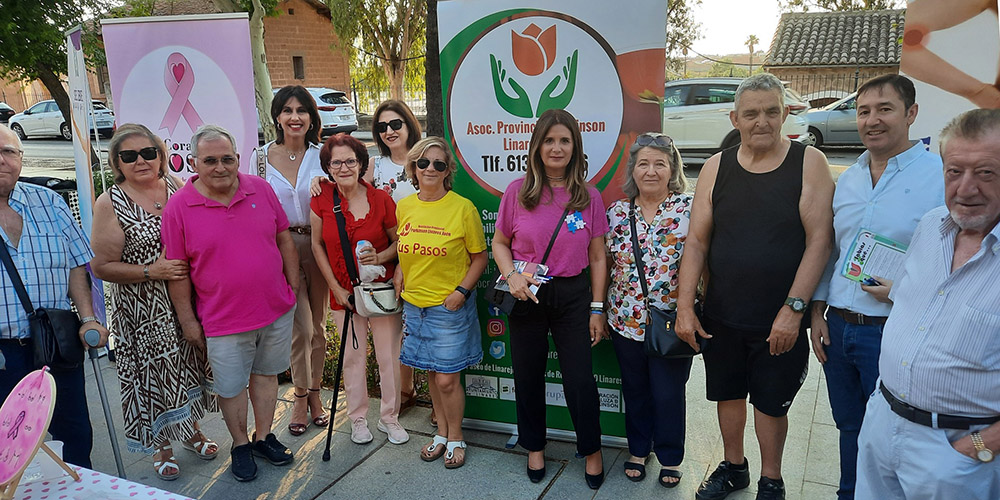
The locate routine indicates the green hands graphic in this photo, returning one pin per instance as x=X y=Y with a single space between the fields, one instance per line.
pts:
x=547 y=101
x=521 y=104
x=517 y=106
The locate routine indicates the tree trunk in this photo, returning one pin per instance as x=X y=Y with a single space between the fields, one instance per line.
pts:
x=432 y=75
x=261 y=75
x=52 y=83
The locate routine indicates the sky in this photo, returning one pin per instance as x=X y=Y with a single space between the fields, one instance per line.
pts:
x=726 y=24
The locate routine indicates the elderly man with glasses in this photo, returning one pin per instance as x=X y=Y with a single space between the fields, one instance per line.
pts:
x=49 y=251
x=231 y=230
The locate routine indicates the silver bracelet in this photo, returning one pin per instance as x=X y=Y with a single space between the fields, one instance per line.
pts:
x=597 y=305
x=145 y=272
x=511 y=273
x=89 y=319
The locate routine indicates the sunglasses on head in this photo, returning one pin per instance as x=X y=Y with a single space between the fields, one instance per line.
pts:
x=130 y=156
x=394 y=124
x=439 y=165
x=663 y=141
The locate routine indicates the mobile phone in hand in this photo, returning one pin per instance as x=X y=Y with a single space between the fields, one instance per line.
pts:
x=871 y=282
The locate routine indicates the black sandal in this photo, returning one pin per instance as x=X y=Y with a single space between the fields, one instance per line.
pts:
x=670 y=473
x=637 y=467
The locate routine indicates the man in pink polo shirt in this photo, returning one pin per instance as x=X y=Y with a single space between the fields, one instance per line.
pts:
x=231 y=230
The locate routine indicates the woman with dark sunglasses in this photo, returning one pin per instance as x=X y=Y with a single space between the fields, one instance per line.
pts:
x=653 y=387
x=442 y=252
x=396 y=130
x=164 y=379
x=288 y=164
x=554 y=196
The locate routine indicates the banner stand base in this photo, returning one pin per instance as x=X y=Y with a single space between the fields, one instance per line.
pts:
x=556 y=434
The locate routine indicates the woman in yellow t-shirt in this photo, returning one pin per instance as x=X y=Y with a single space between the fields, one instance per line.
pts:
x=442 y=252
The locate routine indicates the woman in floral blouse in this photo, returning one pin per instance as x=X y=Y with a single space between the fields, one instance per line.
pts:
x=653 y=387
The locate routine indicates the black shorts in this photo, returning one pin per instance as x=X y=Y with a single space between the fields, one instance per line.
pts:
x=739 y=363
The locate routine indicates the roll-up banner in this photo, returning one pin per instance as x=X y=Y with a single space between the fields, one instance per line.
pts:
x=176 y=73
x=503 y=63
x=81 y=115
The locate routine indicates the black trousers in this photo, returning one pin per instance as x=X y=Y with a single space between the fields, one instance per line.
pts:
x=653 y=389
x=563 y=309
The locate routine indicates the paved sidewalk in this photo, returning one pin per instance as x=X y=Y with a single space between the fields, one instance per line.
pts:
x=383 y=470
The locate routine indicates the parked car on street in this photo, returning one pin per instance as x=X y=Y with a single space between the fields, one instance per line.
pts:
x=6 y=112
x=835 y=123
x=335 y=111
x=45 y=119
x=696 y=115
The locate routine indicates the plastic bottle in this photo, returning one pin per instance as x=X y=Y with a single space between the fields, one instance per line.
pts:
x=367 y=273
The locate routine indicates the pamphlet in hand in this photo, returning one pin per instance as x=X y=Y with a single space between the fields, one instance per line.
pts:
x=871 y=255
x=537 y=271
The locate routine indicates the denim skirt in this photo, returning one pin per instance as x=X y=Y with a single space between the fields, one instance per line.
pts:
x=440 y=340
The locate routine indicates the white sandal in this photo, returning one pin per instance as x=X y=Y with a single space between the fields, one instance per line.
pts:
x=200 y=446
x=450 y=454
x=431 y=455
x=160 y=466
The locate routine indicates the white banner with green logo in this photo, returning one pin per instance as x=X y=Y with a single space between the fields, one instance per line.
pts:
x=503 y=64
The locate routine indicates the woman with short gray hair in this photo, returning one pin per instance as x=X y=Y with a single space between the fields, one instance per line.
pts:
x=653 y=387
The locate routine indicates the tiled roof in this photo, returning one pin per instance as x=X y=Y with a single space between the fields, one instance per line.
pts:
x=837 y=39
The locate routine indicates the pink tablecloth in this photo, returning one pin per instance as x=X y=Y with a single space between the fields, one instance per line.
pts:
x=92 y=485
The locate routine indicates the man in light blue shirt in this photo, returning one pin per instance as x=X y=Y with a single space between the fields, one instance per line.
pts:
x=891 y=186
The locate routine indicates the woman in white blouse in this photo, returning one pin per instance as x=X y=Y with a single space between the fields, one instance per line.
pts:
x=288 y=164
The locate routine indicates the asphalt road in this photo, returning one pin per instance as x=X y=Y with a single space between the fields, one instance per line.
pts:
x=54 y=157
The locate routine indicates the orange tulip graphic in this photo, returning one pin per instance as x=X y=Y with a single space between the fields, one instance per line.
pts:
x=533 y=50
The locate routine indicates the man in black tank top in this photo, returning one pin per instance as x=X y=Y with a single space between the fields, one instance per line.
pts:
x=761 y=225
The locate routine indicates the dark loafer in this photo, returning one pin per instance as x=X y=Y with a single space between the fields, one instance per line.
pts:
x=243 y=467
x=272 y=450
x=665 y=473
x=637 y=467
x=536 y=475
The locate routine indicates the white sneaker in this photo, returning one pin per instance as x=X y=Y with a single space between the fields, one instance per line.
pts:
x=359 y=431
x=396 y=433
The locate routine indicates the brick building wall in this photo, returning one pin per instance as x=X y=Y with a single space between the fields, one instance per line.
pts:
x=302 y=31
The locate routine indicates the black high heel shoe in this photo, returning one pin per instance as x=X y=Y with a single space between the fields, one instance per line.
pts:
x=536 y=475
x=594 y=481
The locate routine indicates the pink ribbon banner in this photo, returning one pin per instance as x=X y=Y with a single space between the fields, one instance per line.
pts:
x=179 y=80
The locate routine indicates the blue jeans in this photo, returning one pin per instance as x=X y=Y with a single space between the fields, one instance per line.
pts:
x=70 y=419
x=851 y=373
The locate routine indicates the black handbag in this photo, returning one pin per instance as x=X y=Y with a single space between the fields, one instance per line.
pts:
x=55 y=333
x=502 y=299
x=660 y=340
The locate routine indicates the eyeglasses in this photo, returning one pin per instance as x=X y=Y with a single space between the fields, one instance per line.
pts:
x=130 y=155
x=10 y=153
x=211 y=161
x=661 y=140
x=394 y=124
x=439 y=165
x=339 y=164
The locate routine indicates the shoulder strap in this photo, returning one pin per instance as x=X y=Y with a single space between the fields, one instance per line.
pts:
x=554 y=235
x=640 y=265
x=345 y=242
x=15 y=279
x=262 y=162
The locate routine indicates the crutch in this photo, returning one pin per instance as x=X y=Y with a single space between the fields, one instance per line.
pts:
x=93 y=337
x=348 y=314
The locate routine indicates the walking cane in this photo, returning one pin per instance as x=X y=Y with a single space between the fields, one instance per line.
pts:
x=93 y=338
x=348 y=314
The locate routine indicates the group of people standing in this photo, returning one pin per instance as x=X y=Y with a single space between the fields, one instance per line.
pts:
x=226 y=285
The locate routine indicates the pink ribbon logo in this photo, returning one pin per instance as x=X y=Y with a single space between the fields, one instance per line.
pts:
x=179 y=80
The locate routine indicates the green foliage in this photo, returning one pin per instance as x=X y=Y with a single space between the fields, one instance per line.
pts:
x=839 y=5
x=682 y=31
x=32 y=34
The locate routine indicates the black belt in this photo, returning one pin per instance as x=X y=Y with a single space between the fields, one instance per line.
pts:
x=926 y=418
x=858 y=318
x=20 y=342
x=300 y=229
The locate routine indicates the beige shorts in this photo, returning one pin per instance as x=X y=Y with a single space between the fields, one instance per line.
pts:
x=264 y=351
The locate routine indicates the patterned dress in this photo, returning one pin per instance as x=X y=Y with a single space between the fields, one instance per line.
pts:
x=165 y=382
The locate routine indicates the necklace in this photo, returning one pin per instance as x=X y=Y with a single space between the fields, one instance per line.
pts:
x=156 y=204
x=292 y=155
x=557 y=179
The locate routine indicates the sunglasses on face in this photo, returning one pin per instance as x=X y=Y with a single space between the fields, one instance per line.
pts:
x=130 y=156
x=663 y=141
x=382 y=127
x=439 y=165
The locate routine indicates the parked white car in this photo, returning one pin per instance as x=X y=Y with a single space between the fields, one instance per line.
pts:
x=45 y=119
x=335 y=111
x=696 y=115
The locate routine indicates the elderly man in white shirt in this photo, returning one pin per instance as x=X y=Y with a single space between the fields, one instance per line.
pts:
x=891 y=186
x=932 y=427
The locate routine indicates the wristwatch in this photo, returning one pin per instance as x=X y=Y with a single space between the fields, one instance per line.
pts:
x=460 y=289
x=983 y=453
x=798 y=305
